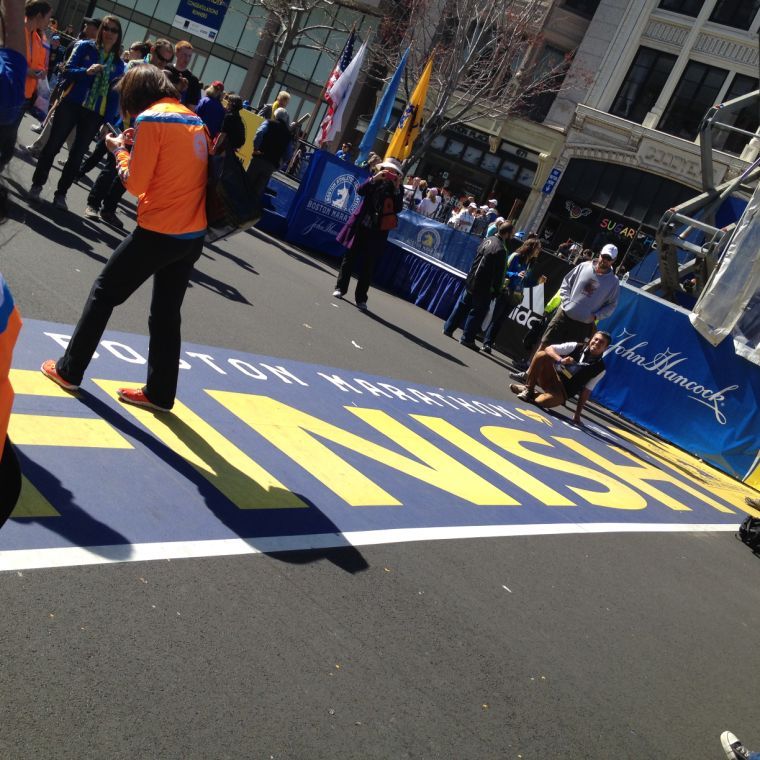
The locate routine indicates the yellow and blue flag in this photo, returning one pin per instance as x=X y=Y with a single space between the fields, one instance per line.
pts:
x=410 y=122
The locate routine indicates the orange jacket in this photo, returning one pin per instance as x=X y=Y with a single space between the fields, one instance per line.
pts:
x=167 y=169
x=10 y=325
x=36 y=58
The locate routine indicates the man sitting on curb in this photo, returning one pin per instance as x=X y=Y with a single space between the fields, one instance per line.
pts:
x=562 y=370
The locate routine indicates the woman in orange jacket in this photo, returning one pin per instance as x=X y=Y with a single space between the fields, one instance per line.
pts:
x=167 y=170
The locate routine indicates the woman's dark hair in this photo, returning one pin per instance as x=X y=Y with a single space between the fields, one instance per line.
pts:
x=116 y=49
x=141 y=87
x=234 y=102
x=36 y=8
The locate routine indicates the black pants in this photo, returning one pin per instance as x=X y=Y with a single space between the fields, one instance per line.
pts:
x=141 y=255
x=369 y=244
x=67 y=116
x=108 y=189
x=9 y=133
x=95 y=157
x=501 y=310
x=10 y=480
x=259 y=171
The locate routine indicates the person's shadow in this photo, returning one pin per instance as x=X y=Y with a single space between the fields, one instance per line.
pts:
x=76 y=525
x=255 y=526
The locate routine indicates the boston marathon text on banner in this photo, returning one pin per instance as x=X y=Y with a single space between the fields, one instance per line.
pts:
x=663 y=375
x=201 y=17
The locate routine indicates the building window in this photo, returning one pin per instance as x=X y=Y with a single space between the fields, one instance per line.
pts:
x=746 y=119
x=737 y=13
x=549 y=73
x=695 y=93
x=687 y=7
x=643 y=83
x=584 y=7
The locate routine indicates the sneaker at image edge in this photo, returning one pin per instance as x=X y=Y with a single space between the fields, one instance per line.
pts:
x=519 y=376
x=516 y=388
x=34 y=192
x=526 y=395
x=485 y=348
x=59 y=201
x=361 y=305
x=91 y=213
x=338 y=294
x=733 y=748
x=49 y=370
x=137 y=397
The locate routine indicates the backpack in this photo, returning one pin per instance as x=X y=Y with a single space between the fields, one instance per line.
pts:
x=749 y=532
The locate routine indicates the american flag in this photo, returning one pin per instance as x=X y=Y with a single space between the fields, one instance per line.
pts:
x=340 y=67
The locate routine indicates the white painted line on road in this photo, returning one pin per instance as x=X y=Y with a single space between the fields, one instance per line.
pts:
x=29 y=559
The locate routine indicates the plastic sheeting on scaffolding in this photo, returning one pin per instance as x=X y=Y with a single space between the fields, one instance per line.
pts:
x=730 y=303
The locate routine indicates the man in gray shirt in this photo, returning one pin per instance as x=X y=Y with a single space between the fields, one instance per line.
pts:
x=588 y=293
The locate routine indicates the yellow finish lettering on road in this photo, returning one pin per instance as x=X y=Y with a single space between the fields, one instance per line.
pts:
x=708 y=478
x=32 y=503
x=242 y=480
x=27 y=382
x=86 y=432
x=616 y=496
x=495 y=462
x=295 y=433
x=640 y=473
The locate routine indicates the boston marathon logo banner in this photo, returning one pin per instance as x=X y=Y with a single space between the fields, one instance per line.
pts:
x=325 y=200
x=262 y=454
x=665 y=376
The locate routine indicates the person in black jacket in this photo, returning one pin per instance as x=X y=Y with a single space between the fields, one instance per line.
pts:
x=271 y=145
x=366 y=231
x=483 y=282
x=564 y=370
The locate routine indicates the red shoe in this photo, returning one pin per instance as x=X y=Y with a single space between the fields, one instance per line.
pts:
x=48 y=369
x=137 y=397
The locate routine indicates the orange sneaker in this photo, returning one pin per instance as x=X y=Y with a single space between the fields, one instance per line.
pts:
x=137 y=397
x=48 y=369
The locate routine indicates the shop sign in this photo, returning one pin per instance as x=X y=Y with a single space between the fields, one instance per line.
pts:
x=575 y=211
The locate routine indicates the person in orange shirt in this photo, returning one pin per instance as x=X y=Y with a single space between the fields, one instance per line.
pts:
x=167 y=170
x=10 y=474
x=37 y=14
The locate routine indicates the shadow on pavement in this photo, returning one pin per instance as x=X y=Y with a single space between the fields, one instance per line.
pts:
x=291 y=251
x=292 y=514
x=75 y=525
x=201 y=279
x=415 y=339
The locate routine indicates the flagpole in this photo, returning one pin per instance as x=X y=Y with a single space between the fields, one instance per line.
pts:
x=320 y=100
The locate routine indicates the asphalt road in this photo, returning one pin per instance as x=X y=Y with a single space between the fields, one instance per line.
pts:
x=577 y=646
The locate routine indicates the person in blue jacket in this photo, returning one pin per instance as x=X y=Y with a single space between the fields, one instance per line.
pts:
x=89 y=100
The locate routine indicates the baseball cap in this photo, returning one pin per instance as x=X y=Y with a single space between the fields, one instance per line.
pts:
x=609 y=250
x=90 y=21
x=217 y=84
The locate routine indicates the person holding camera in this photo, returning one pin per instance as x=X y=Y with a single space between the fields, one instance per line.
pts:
x=366 y=232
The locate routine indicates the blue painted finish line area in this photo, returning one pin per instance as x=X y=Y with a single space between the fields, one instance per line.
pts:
x=262 y=453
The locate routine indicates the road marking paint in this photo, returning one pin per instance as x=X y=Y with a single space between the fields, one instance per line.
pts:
x=29 y=559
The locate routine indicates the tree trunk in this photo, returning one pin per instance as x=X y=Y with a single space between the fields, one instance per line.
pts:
x=285 y=48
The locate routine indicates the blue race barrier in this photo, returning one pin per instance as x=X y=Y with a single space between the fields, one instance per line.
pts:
x=437 y=240
x=325 y=200
x=664 y=376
